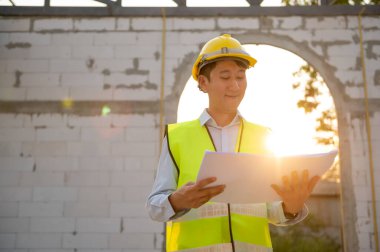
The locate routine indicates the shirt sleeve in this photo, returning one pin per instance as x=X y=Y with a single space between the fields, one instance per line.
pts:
x=277 y=217
x=158 y=204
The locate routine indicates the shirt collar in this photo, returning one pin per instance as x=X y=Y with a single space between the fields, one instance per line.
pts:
x=205 y=118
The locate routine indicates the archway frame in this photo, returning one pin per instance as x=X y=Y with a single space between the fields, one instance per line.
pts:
x=336 y=87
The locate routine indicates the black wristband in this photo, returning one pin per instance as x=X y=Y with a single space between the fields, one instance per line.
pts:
x=290 y=216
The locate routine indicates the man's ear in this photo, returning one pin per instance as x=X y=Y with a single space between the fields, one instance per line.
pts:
x=202 y=83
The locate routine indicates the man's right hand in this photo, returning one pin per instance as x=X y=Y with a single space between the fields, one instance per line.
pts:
x=194 y=195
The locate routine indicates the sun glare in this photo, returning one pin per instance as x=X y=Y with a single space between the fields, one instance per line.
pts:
x=269 y=100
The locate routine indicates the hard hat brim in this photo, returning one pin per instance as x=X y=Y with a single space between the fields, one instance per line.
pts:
x=246 y=59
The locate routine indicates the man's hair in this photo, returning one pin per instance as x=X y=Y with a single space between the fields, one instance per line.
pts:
x=206 y=70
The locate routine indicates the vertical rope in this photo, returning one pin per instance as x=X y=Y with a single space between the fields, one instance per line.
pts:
x=162 y=84
x=162 y=97
x=368 y=128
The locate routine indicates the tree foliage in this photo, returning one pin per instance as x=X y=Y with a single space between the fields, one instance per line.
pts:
x=311 y=84
x=314 y=90
x=330 y=2
x=309 y=235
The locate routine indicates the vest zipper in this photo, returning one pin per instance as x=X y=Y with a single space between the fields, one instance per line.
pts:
x=228 y=204
x=230 y=227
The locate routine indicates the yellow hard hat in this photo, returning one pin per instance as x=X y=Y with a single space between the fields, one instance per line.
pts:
x=221 y=47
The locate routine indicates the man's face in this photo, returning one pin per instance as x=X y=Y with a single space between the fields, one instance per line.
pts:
x=226 y=86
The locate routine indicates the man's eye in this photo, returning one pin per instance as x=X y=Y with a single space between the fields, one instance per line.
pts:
x=225 y=77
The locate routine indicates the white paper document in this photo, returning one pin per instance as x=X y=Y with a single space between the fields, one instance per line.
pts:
x=248 y=177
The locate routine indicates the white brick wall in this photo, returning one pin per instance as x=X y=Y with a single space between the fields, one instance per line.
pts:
x=7 y=240
x=41 y=179
x=132 y=241
x=92 y=193
x=38 y=240
x=193 y=24
x=15 y=194
x=47 y=52
x=14 y=25
x=117 y=38
x=14 y=225
x=328 y=35
x=87 y=179
x=80 y=80
x=57 y=134
x=8 y=209
x=25 y=66
x=88 y=121
x=136 y=51
x=54 y=194
x=21 y=134
x=98 y=225
x=9 y=178
x=122 y=24
x=9 y=121
x=131 y=178
x=53 y=24
x=128 y=210
x=94 y=24
x=44 y=94
x=8 y=149
x=86 y=209
x=78 y=182
x=288 y=23
x=101 y=164
x=31 y=38
x=68 y=66
x=88 y=149
x=39 y=80
x=41 y=209
x=345 y=62
x=145 y=24
x=237 y=23
x=326 y=23
x=12 y=94
x=53 y=225
x=98 y=241
x=16 y=164
x=43 y=149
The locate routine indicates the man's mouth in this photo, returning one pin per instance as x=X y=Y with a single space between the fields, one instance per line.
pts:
x=232 y=96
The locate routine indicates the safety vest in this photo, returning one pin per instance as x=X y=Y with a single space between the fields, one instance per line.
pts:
x=215 y=226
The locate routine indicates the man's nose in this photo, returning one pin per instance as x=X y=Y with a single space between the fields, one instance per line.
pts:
x=235 y=85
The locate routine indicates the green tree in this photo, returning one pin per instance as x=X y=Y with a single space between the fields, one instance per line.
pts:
x=309 y=235
x=314 y=90
x=314 y=94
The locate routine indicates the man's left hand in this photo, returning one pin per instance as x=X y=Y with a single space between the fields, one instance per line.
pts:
x=295 y=190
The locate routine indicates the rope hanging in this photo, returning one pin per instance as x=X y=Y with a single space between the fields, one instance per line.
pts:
x=368 y=129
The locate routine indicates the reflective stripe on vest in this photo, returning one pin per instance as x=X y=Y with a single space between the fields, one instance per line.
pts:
x=227 y=247
x=207 y=228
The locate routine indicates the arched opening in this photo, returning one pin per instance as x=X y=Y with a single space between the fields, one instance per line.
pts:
x=336 y=88
x=271 y=99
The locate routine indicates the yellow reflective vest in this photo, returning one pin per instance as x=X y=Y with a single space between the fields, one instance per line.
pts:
x=215 y=226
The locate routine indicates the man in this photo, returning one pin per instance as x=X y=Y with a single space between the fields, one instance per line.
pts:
x=194 y=222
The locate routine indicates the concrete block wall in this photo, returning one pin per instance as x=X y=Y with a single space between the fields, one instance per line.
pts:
x=72 y=179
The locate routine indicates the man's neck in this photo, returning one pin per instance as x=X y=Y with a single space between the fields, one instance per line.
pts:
x=221 y=119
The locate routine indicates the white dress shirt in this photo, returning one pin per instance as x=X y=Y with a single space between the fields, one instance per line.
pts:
x=224 y=138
